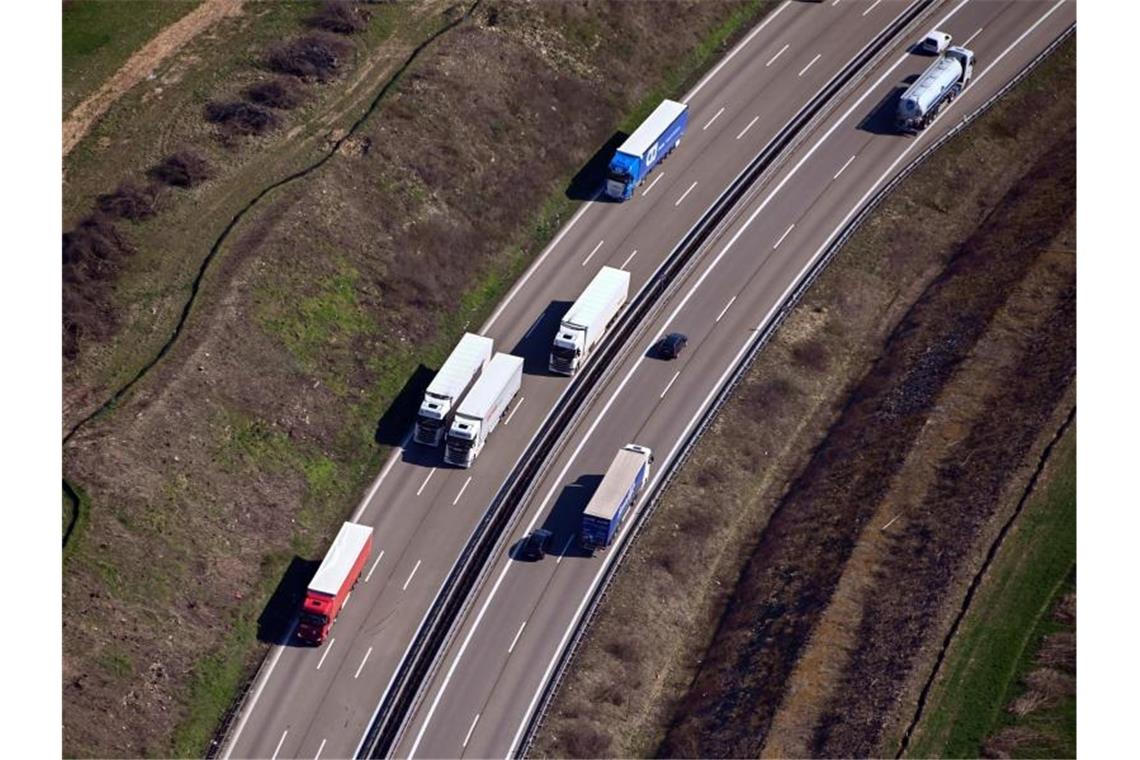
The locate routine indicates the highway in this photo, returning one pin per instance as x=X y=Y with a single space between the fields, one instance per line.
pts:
x=479 y=700
x=310 y=702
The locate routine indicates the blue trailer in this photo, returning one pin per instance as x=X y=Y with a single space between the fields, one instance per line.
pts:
x=652 y=141
x=616 y=494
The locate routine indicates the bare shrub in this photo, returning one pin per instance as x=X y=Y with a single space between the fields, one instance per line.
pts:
x=1052 y=684
x=130 y=201
x=282 y=94
x=1059 y=651
x=811 y=354
x=1009 y=742
x=610 y=692
x=587 y=741
x=93 y=254
x=624 y=649
x=236 y=117
x=313 y=56
x=709 y=474
x=1066 y=610
x=340 y=17
x=1029 y=702
x=183 y=169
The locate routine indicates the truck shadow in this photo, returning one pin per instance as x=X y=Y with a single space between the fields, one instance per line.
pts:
x=534 y=348
x=566 y=517
x=275 y=624
x=588 y=181
x=401 y=413
x=881 y=119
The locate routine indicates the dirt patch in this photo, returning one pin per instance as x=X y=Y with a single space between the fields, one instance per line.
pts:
x=142 y=63
x=815 y=446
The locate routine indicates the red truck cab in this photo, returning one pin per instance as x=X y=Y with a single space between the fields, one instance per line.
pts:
x=333 y=581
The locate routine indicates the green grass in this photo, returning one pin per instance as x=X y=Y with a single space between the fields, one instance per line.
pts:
x=100 y=35
x=1009 y=617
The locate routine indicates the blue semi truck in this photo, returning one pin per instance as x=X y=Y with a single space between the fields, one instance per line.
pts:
x=616 y=494
x=652 y=141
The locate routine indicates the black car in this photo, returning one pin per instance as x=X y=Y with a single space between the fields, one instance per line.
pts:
x=535 y=546
x=672 y=345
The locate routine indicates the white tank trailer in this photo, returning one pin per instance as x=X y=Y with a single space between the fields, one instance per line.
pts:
x=942 y=81
x=448 y=386
x=479 y=413
x=588 y=319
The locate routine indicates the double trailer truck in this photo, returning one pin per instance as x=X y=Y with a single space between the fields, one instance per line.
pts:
x=616 y=494
x=587 y=320
x=334 y=580
x=657 y=136
x=942 y=81
x=449 y=385
x=479 y=413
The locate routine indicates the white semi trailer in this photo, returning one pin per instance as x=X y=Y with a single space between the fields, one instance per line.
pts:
x=479 y=413
x=587 y=321
x=942 y=81
x=448 y=386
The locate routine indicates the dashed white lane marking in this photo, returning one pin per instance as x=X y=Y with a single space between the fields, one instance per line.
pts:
x=596 y=247
x=834 y=3
x=972 y=36
x=777 y=55
x=684 y=195
x=464 y=488
x=470 y=730
x=563 y=552
x=326 y=654
x=714 y=118
x=708 y=77
x=754 y=120
x=379 y=557
x=345 y=603
x=625 y=263
x=282 y=741
x=515 y=640
x=512 y=414
x=670 y=385
x=810 y=64
x=320 y=749
x=414 y=569
x=651 y=184
x=424 y=484
x=725 y=309
x=361 y=667
x=842 y=168
x=872 y=7
x=777 y=245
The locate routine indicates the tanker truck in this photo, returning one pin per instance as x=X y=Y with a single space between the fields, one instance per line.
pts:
x=943 y=81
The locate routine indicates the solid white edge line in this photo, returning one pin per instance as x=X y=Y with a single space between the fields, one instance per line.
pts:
x=379 y=557
x=247 y=711
x=670 y=385
x=685 y=194
x=326 y=653
x=424 y=484
x=842 y=168
x=651 y=184
x=810 y=64
x=625 y=263
x=397 y=451
x=464 y=488
x=320 y=749
x=361 y=666
x=714 y=118
x=596 y=247
x=412 y=575
x=777 y=55
x=515 y=640
x=754 y=120
x=512 y=414
x=725 y=309
x=470 y=731
x=279 y=743
x=740 y=354
x=786 y=233
x=732 y=54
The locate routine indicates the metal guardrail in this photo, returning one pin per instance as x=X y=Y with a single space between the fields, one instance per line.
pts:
x=762 y=338
x=438 y=625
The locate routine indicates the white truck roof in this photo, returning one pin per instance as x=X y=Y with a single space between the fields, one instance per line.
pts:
x=617 y=480
x=471 y=353
x=487 y=389
x=598 y=296
x=340 y=558
x=645 y=135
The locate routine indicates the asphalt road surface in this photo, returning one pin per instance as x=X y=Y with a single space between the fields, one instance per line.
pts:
x=311 y=702
x=479 y=700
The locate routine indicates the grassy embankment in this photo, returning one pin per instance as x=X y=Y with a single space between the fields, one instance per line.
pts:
x=1005 y=627
x=100 y=35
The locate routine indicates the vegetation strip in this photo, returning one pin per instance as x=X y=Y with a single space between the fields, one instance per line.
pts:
x=216 y=247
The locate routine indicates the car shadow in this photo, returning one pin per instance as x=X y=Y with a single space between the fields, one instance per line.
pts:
x=276 y=623
x=881 y=119
x=534 y=347
x=588 y=182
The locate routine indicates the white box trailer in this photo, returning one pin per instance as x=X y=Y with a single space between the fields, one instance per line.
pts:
x=448 y=386
x=479 y=414
x=588 y=319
